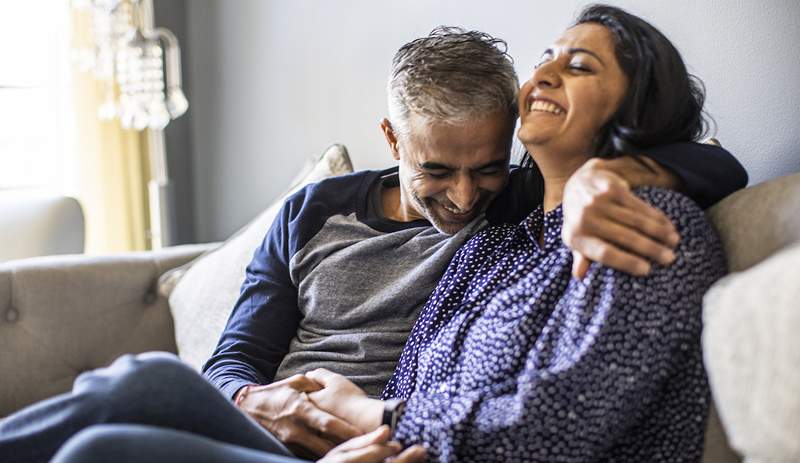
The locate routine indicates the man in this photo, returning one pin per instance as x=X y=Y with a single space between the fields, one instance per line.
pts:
x=343 y=272
x=349 y=262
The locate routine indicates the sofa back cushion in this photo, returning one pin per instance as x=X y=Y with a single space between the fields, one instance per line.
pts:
x=753 y=224
x=758 y=221
x=203 y=293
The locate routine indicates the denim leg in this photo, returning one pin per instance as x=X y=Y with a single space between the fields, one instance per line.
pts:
x=151 y=389
x=130 y=443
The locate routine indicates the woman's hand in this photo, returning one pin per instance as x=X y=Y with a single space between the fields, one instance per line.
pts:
x=374 y=447
x=340 y=397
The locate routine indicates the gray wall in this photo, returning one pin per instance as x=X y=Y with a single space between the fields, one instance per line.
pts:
x=273 y=82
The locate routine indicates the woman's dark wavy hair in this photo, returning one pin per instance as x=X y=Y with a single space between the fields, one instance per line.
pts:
x=663 y=104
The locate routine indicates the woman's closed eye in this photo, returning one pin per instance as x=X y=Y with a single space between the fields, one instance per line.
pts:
x=546 y=57
x=580 y=67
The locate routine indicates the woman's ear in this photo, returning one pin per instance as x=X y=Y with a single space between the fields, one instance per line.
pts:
x=391 y=138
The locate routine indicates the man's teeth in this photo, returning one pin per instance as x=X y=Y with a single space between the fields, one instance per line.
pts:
x=545 y=106
x=454 y=211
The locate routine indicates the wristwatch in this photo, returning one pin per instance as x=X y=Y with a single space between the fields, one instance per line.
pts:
x=392 y=409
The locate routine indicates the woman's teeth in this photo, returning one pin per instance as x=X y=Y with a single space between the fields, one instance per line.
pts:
x=545 y=106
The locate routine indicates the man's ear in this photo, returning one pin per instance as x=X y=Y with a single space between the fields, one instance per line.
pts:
x=391 y=138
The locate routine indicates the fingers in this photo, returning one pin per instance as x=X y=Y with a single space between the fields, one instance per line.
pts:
x=322 y=376
x=621 y=231
x=600 y=191
x=374 y=447
x=414 y=454
x=302 y=419
x=286 y=411
x=303 y=440
x=638 y=214
x=327 y=424
x=605 y=222
x=611 y=256
x=378 y=436
x=580 y=265
x=629 y=239
x=375 y=453
x=300 y=383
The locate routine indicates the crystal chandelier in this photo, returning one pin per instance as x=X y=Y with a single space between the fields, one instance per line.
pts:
x=142 y=60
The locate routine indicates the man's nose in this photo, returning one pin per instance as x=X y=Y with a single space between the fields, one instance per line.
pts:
x=463 y=192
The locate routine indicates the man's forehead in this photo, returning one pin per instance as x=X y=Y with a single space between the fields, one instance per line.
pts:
x=453 y=158
x=471 y=131
x=458 y=148
x=421 y=123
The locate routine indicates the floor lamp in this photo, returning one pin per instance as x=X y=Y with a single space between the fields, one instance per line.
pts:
x=144 y=63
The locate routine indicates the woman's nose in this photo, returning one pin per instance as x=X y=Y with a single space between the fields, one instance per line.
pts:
x=546 y=76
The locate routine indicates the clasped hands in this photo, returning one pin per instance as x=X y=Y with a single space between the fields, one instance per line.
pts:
x=323 y=414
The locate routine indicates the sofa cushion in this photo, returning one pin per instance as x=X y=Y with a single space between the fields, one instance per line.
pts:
x=752 y=351
x=207 y=289
x=756 y=222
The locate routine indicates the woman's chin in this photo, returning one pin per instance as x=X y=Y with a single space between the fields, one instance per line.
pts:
x=531 y=137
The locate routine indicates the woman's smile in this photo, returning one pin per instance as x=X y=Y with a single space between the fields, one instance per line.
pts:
x=545 y=106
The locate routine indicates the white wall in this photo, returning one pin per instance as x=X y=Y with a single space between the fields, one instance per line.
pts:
x=273 y=82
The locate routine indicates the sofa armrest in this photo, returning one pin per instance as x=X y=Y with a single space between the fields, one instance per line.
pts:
x=62 y=315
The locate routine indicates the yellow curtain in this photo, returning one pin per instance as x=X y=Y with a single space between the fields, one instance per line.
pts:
x=111 y=168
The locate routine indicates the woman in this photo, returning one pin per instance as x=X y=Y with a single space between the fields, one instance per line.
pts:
x=511 y=359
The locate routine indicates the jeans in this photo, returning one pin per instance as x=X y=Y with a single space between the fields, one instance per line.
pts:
x=154 y=389
x=134 y=443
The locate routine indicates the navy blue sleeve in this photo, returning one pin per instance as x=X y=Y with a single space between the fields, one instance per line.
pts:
x=708 y=173
x=265 y=317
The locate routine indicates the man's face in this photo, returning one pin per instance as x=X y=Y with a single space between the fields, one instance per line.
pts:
x=449 y=173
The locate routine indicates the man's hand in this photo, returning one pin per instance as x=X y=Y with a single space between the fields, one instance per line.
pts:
x=284 y=409
x=606 y=223
x=374 y=447
x=344 y=399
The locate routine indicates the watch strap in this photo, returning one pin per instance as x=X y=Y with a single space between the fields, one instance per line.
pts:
x=392 y=410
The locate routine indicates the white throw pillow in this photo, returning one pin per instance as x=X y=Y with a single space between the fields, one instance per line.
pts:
x=752 y=354
x=207 y=289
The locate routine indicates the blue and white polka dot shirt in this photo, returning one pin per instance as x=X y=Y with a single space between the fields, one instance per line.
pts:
x=512 y=359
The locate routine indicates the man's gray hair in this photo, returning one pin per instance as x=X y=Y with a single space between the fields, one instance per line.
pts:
x=451 y=76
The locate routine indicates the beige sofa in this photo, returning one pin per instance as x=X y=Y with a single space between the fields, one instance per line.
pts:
x=63 y=315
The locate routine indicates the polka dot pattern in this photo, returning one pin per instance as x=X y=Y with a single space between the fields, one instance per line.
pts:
x=512 y=359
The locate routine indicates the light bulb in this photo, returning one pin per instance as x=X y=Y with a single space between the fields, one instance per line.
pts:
x=176 y=102
x=159 y=117
x=140 y=119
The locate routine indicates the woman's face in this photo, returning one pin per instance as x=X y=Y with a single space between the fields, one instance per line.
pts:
x=574 y=91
